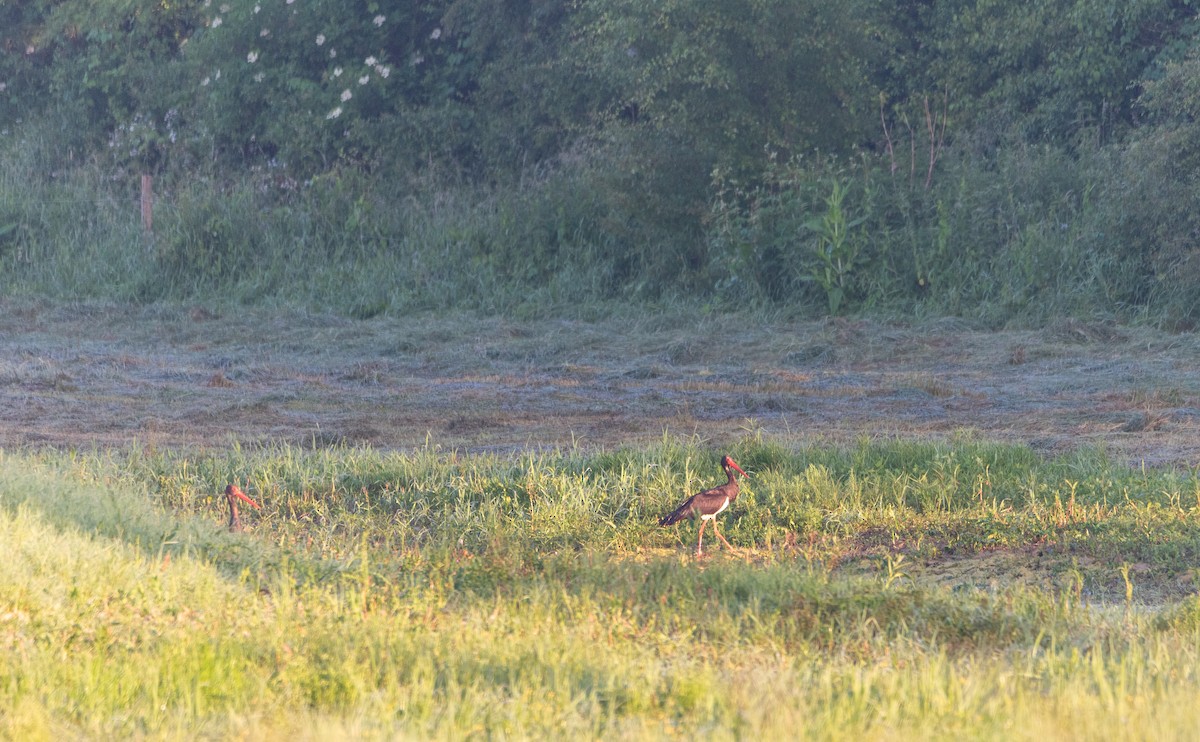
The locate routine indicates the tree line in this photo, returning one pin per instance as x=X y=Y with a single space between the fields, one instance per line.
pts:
x=955 y=153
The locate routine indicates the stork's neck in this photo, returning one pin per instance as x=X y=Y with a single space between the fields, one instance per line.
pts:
x=729 y=473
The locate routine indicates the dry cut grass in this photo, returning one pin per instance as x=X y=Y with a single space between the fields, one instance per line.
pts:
x=94 y=374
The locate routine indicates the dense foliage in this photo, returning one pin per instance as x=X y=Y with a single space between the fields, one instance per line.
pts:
x=996 y=160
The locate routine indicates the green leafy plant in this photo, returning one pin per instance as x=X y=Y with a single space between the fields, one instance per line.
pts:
x=837 y=249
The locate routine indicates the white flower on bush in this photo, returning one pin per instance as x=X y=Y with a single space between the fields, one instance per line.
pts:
x=257 y=8
x=333 y=53
x=364 y=79
x=320 y=39
x=346 y=95
x=334 y=113
x=264 y=33
x=215 y=22
x=378 y=20
x=370 y=61
x=383 y=71
x=437 y=34
x=252 y=57
x=337 y=71
x=259 y=77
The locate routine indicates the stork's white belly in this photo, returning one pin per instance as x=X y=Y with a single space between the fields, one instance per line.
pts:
x=719 y=511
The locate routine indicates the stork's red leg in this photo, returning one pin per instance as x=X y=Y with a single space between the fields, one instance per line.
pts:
x=700 y=538
x=727 y=544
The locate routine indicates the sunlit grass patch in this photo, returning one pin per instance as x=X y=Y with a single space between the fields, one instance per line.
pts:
x=889 y=588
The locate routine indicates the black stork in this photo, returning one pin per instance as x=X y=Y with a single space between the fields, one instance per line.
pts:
x=233 y=493
x=708 y=504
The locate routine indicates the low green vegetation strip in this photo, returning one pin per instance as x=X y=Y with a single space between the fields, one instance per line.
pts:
x=434 y=594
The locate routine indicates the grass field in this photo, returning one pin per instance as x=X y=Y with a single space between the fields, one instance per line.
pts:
x=946 y=532
x=886 y=589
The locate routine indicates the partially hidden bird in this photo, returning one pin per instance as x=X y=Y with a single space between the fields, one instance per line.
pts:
x=707 y=505
x=233 y=493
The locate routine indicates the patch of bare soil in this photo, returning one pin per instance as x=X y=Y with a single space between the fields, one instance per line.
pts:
x=102 y=375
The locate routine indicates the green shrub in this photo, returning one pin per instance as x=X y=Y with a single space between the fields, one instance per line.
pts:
x=1150 y=198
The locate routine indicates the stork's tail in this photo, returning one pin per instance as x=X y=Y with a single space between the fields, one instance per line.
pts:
x=681 y=512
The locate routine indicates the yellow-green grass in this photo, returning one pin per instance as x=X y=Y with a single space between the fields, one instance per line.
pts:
x=429 y=594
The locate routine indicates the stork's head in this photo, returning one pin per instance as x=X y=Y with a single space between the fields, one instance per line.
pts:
x=728 y=463
x=232 y=491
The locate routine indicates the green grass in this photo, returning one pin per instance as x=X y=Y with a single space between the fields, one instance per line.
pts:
x=433 y=594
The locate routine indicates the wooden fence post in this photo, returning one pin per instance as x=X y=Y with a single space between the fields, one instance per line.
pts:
x=148 y=204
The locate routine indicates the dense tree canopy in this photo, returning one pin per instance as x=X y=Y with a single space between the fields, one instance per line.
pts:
x=487 y=87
